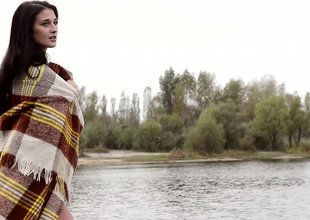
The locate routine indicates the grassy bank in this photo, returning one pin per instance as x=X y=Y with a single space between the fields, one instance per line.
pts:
x=107 y=157
x=228 y=154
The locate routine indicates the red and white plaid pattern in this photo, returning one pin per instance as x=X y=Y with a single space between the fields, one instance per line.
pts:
x=39 y=139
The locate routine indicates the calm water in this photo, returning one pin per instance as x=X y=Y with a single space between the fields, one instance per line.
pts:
x=237 y=190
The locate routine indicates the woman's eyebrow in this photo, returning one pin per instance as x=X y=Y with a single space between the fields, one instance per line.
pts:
x=47 y=19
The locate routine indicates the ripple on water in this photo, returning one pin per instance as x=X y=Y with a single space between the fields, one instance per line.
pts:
x=238 y=190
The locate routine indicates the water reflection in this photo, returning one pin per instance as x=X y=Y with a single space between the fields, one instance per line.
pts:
x=238 y=190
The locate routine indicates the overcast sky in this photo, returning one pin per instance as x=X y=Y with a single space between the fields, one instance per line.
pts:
x=113 y=46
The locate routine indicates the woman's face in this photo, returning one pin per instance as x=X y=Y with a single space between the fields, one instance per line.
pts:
x=45 y=29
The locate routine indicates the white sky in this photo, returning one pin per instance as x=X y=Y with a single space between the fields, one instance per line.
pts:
x=113 y=46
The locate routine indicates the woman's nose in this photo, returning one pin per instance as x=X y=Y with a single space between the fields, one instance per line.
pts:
x=54 y=28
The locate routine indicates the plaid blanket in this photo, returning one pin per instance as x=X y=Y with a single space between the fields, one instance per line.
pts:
x=39 y=140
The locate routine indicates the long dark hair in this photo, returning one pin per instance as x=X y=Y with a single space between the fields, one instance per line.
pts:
x=22 y=51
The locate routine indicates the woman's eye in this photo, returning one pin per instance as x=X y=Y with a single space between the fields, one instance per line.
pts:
x=44 y=24
x=55 y=22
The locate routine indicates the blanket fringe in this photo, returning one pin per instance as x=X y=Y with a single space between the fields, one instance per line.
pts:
x=28 y=168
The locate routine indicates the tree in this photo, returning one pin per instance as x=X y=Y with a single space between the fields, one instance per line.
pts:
x=122 y=108
x=271 y=119
x=147 y=99
x=91 y=110
x=205 y=90
x=307 y=102
x=93 y=134
x=234 y=90
x=189 y=84
x=156 y=107
x=103 y=106
x=227 y=115
x=185 y=97
x=257 y=91
x=171 y=136
x=295 y=118
x=82 y=98
x=125 y=138
x=111 y=136
x=113 y=108
x=167 y=85
x=206 y=135
x=179 y=104
x=306 y=126
x=148 y=136
x=134 y=115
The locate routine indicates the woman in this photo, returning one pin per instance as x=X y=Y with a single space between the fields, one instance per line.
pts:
x=40 y=120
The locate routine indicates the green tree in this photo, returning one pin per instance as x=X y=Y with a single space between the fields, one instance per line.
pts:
x=185 y=98
x=271 y=119
x=148 y=136
x=91 y=110
x=93 y=134
x=306 y=125
x=171 y=136
x=82 y=98
x=234 y=90
x=257 y=91
x=189 y=83
x=110 y=136
x=227 y=115
x=307 y=102
x=206 y=135
x=206 y=88
x=167 y=85
x=157 y=108
x=125 y=138
x=268 y=86
x=179 y=105
x=295 y=118
x=103 y=106
x=134 y=114
x=113 y=108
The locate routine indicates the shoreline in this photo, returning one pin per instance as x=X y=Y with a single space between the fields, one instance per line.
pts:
x=113 y=157
x=128 y=157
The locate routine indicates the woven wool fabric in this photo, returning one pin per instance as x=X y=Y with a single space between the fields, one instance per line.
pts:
x=22 y=197
x=39 y=139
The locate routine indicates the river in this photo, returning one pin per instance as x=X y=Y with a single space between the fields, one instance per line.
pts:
x=231 y=190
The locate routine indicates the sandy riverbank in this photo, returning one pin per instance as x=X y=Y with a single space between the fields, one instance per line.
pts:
x=116 y=157
x=112 y=157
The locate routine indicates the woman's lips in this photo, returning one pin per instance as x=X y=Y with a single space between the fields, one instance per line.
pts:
x=53 y=38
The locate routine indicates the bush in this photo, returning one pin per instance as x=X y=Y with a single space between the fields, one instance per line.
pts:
x=206 y=135
x=148 y=136
x=110 y=137
x=92 y=135
x=172 y=123
x=125 y=138
x=246 y=143
x=171 y=137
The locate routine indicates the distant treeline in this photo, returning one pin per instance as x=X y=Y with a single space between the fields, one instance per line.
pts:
x=198 y=114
